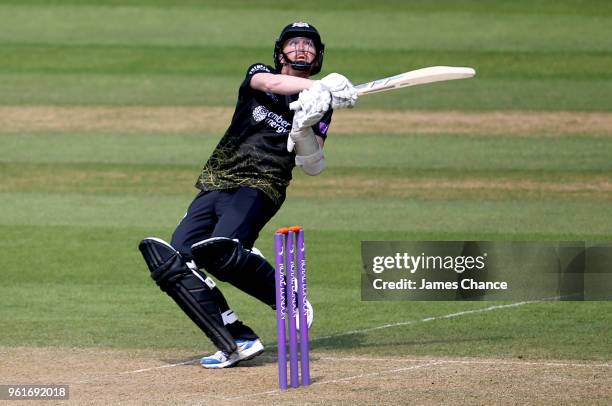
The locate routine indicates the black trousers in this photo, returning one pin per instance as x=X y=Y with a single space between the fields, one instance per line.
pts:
x=238 y=213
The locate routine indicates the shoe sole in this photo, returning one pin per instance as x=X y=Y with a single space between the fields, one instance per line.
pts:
x=226 y=364
x=250 y=353
x=222 y=365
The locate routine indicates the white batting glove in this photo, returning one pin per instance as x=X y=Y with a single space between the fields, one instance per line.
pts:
x=311 y=106
x=303 y=119
x=342 y=90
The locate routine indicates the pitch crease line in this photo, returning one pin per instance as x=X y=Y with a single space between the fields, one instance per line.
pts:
x=427 y=319
x=189 y=362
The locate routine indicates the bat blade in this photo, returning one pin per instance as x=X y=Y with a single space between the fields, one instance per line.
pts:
x=414 y=78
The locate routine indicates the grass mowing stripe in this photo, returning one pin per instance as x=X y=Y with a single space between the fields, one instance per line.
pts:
x=116 y=90
x=415 y=152
x=99 y=179
x=213 y=121
x=470 y=152
x=451 y=189
x=442 y=184
x=118 y=25
x=126 y=176
x=575 y=218
x=211 y=60
x=155 y=149
x=69 y=24
x=571 y=7
x=184 y=90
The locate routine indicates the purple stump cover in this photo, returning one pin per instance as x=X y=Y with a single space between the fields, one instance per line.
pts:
x=281 y=306
x=291 y=304
x=301 y=279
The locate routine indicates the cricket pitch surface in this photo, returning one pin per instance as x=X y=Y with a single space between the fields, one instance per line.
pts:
x=103 y=376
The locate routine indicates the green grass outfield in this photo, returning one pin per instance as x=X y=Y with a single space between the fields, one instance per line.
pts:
x=73 y=206
x=542 y=55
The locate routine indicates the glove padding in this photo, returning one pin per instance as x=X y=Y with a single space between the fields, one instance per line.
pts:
x=311 y=106
x=343 y=93
x=312 y=164
x=301 y=128
x=308 y=152
x=303 y=140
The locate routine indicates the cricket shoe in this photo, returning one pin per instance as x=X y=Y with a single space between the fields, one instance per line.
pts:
x=220 y=359
x=247 y=349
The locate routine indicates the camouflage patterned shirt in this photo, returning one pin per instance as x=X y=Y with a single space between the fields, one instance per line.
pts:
x=253 y=151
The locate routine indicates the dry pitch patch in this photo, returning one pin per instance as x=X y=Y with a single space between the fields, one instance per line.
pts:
x=57 y=178
x=103 y=376
x=215 y=120
x=584 y=187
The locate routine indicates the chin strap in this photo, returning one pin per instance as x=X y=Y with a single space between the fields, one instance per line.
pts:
x=297 y=65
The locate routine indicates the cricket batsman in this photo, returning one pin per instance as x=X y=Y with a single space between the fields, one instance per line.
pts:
x=281 y=121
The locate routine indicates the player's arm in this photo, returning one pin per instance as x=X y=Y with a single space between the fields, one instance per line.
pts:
x=342 y=91
x=280 y=84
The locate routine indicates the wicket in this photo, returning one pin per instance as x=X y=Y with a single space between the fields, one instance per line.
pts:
x=289 y=251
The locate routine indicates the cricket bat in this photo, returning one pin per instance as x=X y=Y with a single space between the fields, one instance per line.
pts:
x=414 y=78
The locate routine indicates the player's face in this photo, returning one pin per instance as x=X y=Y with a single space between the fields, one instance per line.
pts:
x=300 y=49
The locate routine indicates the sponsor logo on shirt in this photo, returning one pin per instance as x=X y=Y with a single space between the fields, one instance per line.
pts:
x=258 y=68
x=259 y=113
x=272 y=119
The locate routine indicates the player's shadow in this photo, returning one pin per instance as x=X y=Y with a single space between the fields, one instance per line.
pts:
x=360 y=341
x=335 y=343
x=268 y=357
